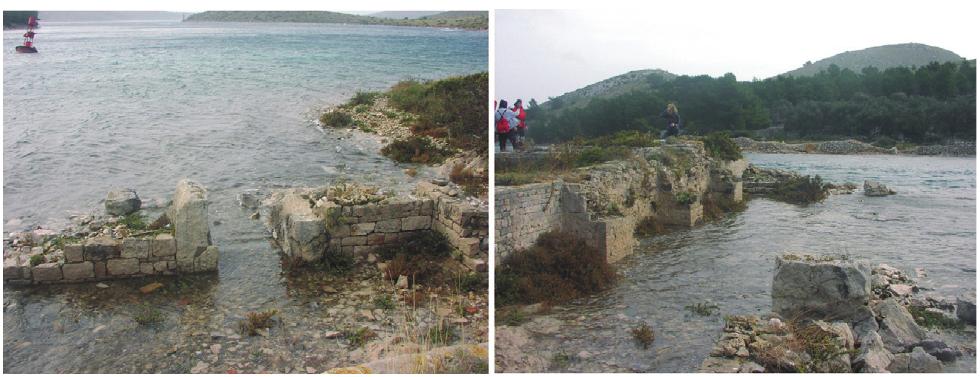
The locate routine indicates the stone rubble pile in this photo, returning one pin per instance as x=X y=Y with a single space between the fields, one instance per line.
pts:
x=836 y=315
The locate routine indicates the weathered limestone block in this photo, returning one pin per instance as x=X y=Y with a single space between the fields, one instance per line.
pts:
x=918 y=361
x=388 y=226
x=362 y=229
x=375 y=239
x=122 y=202
x=875 y=188
x=163 y=245
x=160 y=266
x=189 y=216
x=74 y=253
x=207 y=261
x=135 y=247
x=354 y=241
x=100 y=248
x=78 y=271
x=416 y=223
x=898 y=329
x=47 y=272
x=872 y=356
x=146 y=268
x=836 y=290
x=14 y=268
x=116 y=267
x=298 y=230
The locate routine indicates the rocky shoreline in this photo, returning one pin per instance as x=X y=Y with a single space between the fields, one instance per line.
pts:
x=837 y=315
x=852 y=146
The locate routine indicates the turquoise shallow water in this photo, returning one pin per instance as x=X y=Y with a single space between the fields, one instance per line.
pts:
x=930 y=224
x=142 y=105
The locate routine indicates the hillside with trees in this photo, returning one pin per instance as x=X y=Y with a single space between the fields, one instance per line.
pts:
x=460 y=20
x=930 y=104
x=881 y=57
x=17 y=18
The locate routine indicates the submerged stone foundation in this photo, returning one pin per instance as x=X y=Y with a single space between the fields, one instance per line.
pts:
x=183 y=248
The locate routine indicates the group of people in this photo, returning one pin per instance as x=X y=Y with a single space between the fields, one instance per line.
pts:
x=510 y=124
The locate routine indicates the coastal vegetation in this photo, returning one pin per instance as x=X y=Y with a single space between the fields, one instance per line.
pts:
x=932 y=103
x=17 y=18
x=474 y=20
x=801 y=190
x=559 y=267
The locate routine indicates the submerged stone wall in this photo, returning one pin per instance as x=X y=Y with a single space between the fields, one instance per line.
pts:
x=612 y=198
x=187 y=250
x=306 y=228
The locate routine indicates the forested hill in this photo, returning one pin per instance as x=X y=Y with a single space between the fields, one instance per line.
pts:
x=881 y=57
x=461 y=20
x=611 y=87
x=930 y=104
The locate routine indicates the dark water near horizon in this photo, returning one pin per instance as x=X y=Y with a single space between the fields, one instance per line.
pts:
x=930 y=224
x=144 y=104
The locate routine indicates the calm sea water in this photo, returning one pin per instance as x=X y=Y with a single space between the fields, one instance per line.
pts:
x=142 y=105
x=930 y=224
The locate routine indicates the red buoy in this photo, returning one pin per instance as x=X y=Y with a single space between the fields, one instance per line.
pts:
x=28 y=46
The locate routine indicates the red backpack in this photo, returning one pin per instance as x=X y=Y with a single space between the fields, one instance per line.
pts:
x=503 y=125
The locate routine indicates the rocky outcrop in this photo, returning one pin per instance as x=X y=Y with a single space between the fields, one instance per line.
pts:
x=515 y=353
x=917 y=361
x=898 y=329
x=820 y=289
x=122 y=202
x=457 y=359
x=849 y=146
x=873 y=357
x=875 y=188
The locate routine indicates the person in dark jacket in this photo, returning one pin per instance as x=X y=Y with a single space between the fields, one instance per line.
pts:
x=673 y=120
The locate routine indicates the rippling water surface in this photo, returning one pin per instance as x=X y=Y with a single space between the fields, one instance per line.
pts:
x=931 y=224
x=142 y=105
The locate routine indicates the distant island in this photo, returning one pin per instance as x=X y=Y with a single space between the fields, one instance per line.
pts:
x=471 y=20
x=16 y=18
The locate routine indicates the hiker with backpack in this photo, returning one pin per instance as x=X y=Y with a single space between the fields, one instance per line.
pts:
x=521 y=124
x=673 y=121
x=505 y=121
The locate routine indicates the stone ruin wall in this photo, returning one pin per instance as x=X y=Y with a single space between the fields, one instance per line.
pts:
x=306 y=230
x=188 y=250
x=635 y=189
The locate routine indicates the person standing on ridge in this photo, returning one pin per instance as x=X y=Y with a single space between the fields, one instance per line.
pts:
x=505 y=120
x=521 y=125
x=673 y=120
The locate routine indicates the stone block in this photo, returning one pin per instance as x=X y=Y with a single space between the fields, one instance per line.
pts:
x=361 y=229
x=135 y=248
x=163 y=245
x=122 y=202
x=354 y=241
x=376 y=239
x=74 y=253
x=835 y=290
x=416 y=223
x=189 y=216
x=207 y=261
x=160 y=266
x=78 y=271
x=99 y=267
x=47 y=272
x=128 y=266
x=100 y=249
x=146 y=268
x=388 y=226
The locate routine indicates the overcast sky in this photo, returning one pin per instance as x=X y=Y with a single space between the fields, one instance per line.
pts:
x=546 y=53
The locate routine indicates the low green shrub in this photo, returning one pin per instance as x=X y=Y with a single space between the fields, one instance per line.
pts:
x=362 y=99
x=643 y=335
x=720 y=145
x=36 y=259
x=336 y=119
x=415 y=149
x=685 y=198
x=930 y=319
x=559 y=267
